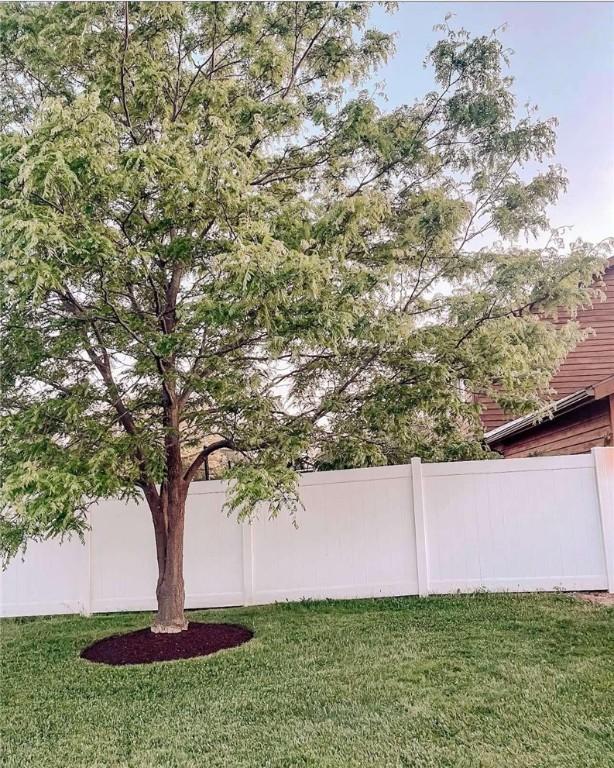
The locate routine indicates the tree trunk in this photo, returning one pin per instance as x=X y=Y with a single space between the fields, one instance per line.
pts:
x=169 y=519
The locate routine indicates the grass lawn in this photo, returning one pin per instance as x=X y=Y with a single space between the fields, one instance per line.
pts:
x=503 y=681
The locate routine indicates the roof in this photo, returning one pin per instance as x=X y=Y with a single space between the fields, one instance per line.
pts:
x=552 y=411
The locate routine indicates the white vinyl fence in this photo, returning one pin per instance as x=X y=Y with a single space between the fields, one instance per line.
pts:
x=512 y=524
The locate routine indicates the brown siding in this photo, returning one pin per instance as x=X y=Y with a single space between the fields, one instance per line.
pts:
x=575 y=432
x=591 y=361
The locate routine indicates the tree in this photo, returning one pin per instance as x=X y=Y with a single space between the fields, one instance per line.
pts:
x=208 y=243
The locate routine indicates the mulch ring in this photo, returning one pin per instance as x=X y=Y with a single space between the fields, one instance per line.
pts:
x=145 y=646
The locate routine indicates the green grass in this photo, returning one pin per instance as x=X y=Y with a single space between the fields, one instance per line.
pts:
x=483 y=680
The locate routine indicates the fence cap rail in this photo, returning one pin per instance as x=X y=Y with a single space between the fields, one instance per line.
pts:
x=399 y=471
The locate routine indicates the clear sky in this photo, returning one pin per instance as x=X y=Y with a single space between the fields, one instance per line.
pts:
x=563 y=61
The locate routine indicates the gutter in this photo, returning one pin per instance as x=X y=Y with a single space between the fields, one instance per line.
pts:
x=557 y=408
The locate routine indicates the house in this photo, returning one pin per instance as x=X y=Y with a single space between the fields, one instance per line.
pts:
x=573 y=424
x=582 y=415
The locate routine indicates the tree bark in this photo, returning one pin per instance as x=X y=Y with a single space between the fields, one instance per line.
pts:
x=169 y=520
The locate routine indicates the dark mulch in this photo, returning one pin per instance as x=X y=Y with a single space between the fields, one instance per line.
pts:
x=145 y=646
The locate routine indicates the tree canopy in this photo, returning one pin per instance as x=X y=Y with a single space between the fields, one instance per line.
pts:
x=214 y=237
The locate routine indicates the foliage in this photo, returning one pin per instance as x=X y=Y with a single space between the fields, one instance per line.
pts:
x=203 y=234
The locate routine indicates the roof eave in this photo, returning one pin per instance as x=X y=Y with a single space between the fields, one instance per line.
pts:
x=548 y=413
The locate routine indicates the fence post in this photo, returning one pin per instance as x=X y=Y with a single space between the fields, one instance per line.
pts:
x=420 y=527
x=87 y=605
x=604 y=474
x=248 y=562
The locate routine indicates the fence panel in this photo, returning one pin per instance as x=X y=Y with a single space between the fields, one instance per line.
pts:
x=354 y=538
x=52 y=578
x=124 y=569
x=517 y=524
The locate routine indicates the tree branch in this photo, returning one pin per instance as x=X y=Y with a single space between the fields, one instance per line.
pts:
x=203 y=456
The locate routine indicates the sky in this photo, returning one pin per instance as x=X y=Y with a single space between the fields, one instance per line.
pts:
x=563 y=62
